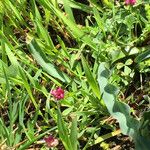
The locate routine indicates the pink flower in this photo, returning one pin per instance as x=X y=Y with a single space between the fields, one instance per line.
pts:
x=51 y=141
x=58 y=93
x=130 y=2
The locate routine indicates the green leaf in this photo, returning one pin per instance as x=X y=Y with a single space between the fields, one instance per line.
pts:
x=63 y=132
x=14 y=10
x=99 y=20
x=42 y=60
x=35 y=10
x=144 y=56
x=28 y=143
x=77 y=5
x=142 y=137
x=117 y=109
x=138 y=130
x=73 y=133
x=43 y=34
x=9 y=49
x=92 y=82
x=74 y=30
x=27 y=85
x=127 y=70
x=68 y=10
x=142 y=143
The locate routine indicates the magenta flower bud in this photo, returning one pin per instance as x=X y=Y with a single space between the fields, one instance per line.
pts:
x=58 y=93
x=51 y=141
x=130 y=2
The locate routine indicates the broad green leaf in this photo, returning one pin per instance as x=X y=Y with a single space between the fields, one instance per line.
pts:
x=142 y=143
x=142 y=137
x=138 y=130
x=42 y=60
x=117 y=109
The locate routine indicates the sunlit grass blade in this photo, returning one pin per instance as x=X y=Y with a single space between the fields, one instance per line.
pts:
x=92 y=82
x=96 y=5
x=45 y=63
x=14 y=10
x=35 y=11
x=8 y=49
x=73 y=29
x=10 y=112
x=107 y=136
x=78 y=5
x=74 y=133
x=99 y=21
x=68 y=10
x=27 y=86
x=43 y=34
x=41 y=30
x=63 y=132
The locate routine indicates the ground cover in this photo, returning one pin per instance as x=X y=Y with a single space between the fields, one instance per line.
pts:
x=74 y=74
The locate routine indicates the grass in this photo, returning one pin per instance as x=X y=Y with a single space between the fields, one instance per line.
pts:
x=45 y=44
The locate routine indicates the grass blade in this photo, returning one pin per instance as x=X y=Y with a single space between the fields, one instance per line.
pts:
x=63 y=132
x=73 y=133
x=68 y=10
x=92 y=82
x=45 y=63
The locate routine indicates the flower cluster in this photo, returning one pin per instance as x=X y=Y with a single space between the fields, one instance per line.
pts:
x=51 y=141
x=130 y=2
x=58 y=93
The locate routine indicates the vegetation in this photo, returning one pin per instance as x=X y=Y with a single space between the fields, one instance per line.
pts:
x=74 y=74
